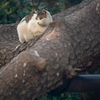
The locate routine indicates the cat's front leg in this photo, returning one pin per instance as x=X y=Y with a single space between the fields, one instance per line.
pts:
x=21 y=38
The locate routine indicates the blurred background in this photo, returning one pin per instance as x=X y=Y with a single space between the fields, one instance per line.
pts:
x=12 y=11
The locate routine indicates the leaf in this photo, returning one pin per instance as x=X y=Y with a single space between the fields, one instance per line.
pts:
x=2 y=13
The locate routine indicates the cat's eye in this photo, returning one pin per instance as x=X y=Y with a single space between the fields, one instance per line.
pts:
x=40 y=18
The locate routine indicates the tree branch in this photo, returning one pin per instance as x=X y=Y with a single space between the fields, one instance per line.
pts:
x=70 y=45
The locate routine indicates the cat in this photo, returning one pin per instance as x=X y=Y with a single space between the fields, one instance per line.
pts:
x=33 y=25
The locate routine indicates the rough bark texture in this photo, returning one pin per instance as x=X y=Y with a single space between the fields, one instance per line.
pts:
x=70 y=45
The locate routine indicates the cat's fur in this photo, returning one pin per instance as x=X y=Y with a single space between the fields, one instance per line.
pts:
x=33 y=25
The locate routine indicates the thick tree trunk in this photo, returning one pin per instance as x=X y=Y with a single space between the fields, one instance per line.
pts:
x=70 y=45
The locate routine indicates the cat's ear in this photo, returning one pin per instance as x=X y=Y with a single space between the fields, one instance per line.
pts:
x=44 y=11
x=36 y=12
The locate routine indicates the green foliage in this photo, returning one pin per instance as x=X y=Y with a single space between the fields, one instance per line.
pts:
x=74 y=2
x=14 y=10
x=63 y=96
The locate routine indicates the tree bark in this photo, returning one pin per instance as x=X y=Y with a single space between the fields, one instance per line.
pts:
x=70 y=45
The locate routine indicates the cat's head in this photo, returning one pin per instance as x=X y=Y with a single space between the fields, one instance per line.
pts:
x=41 y=14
